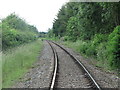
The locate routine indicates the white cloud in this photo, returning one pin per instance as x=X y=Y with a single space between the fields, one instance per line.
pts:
x=36 y=12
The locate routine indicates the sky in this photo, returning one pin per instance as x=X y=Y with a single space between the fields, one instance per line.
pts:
x=39 y=13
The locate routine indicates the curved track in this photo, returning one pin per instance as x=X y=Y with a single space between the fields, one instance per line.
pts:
x=90 y=78
x=55 y=68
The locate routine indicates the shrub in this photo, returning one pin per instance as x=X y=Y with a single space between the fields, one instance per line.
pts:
x=8 y=38
x=16 y=31
x=12 y=37
x=94 y=44
x=91 y=51
x=98 y=38
x=83 y=47
x=102 y=51
x=65 y=38
x=114 y=48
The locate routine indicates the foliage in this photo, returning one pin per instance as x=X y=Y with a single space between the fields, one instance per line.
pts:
x=98 y=38
x=92 y=25
x=65 y=38
x=50 y=33
x=16 y=31
x=102 y=53
x=90 y=47
x=114 y=48
x=87 y=19
x=72 y=30
x=17 y=61
x=60 y=24
x=83 y=47
x=94 y=44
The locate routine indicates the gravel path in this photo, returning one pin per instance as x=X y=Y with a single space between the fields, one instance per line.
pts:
x=105 y=79
x=69 y=74
x=39 y=76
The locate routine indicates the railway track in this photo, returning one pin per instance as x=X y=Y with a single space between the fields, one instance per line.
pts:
x=92 y=81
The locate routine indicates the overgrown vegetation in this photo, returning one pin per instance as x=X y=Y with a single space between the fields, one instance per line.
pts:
x=18 y=60
x=92 y=28
x=16 y=31
x=114 y=48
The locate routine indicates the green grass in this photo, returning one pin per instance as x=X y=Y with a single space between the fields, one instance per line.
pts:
x=17 y=61
x=73 y=45
x=52 y=38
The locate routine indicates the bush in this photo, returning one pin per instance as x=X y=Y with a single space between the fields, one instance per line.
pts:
x=12 y=38
x=8 y=38
x=114 y=48
x=16 y=31
x=90 y=47
x=65 y=38
x=101 y=50
x=98 y=38
x=83 y=47
x=94 y=44
x=91 y=51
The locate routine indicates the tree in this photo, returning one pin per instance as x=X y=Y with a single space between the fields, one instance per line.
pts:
x=72 y=30
x=16 y=31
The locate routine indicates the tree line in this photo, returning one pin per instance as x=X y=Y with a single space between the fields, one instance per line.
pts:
x=16 y=31
x=94 y=24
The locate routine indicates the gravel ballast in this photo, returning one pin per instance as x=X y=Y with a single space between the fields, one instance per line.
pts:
x=104 y=79
x=69 y=74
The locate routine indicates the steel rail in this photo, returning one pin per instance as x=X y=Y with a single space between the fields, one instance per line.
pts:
x=55 y=68
x=84 y=68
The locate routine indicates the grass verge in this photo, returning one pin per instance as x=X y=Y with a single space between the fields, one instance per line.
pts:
x=17 y=61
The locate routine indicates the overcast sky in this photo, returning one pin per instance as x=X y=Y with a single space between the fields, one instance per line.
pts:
x=40 y=13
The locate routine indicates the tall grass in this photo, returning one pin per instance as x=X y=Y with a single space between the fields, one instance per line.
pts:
x=75 y=45
x=17 y=61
